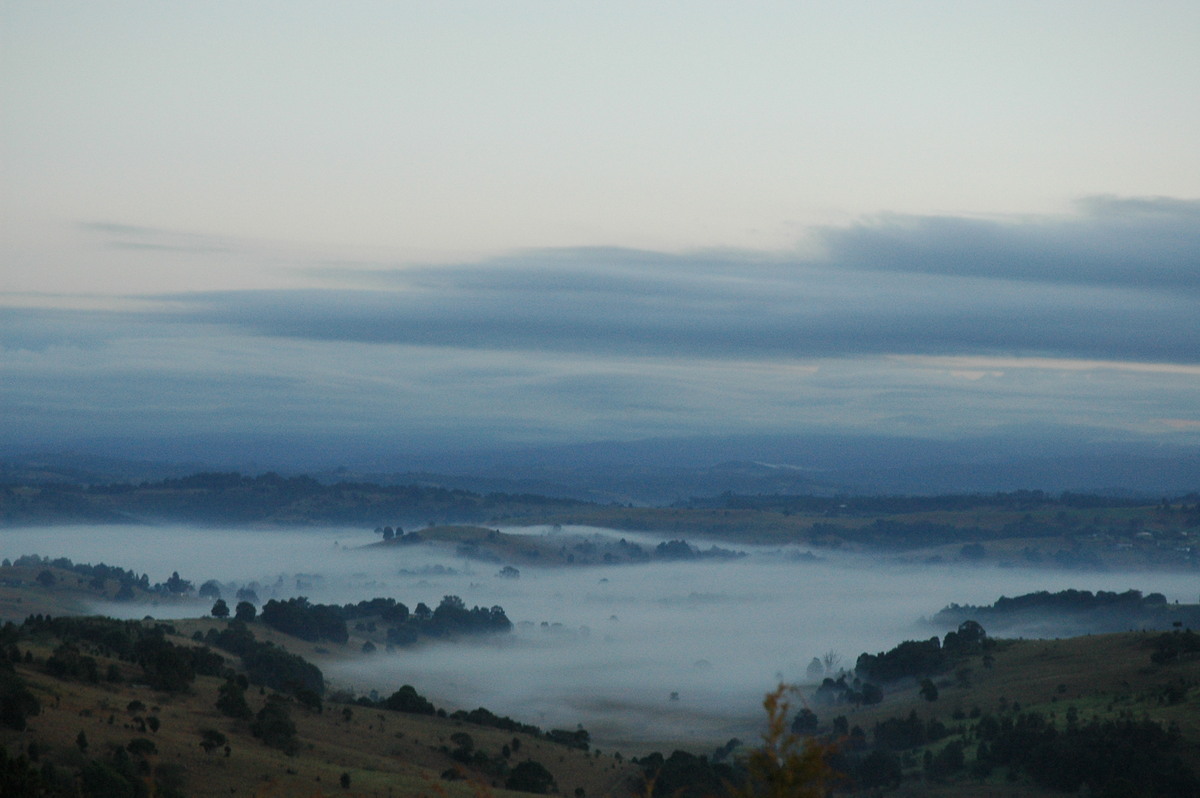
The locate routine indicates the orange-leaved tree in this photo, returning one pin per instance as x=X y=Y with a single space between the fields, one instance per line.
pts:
x=786 y=765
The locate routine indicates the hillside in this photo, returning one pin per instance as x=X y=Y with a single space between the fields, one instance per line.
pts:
x=1076 y=683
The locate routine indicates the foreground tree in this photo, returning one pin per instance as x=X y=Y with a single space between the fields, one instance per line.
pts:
x=786 y=765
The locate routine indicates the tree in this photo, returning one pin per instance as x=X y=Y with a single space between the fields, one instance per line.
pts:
x=273 y=725
x=16 y=701
x=231 y=700
x=141 y=747
x=211 y=740
x=805 y=722
x=929 y=690
x=81 y=741
x=210 y=589
x=176 y=584
x=530 y=776
x=407 y=699
x=245 y=612
x=220 y=609
x=46 y=579
x=786 y=766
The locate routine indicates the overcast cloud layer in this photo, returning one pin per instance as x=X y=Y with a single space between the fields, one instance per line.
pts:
x=896 y=325
x=1119 y=283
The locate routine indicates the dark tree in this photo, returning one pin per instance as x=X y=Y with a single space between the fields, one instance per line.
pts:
x=273 y=725
x=530 y=776
x=211 y=740
x=231 y=700
x=805 y=722
x=220 y=609
x=244 y=612
x=178 y=585
x=407 y=699
x=46 y=579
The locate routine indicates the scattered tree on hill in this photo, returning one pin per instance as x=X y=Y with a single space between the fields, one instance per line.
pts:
x=46 y=579
x=220 y=609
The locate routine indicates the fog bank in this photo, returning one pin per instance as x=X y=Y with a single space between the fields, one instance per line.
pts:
x=605 y=647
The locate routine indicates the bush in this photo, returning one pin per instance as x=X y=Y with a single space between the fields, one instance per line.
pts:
x=273 y=725
x=530 y=776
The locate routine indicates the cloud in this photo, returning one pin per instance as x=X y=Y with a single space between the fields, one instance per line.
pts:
x=154 y=239
x=595 y=344
x=1117 y=282
x=1119 y=242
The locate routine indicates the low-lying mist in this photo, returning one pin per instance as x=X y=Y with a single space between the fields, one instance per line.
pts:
x=605 y=647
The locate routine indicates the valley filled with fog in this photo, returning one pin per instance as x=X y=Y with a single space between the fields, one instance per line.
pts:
x=605 y=646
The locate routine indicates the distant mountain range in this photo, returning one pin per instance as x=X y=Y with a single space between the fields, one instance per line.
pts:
x=664 y=471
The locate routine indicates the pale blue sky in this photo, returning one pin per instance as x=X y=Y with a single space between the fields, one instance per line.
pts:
x=551 y=221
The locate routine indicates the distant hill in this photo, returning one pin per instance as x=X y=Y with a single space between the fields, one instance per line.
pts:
x=659 y=471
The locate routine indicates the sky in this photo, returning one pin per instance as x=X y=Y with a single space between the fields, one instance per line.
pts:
x=442 y=225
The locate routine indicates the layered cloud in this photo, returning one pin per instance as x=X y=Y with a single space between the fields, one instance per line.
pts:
x=1120 y=282
x=932 y=326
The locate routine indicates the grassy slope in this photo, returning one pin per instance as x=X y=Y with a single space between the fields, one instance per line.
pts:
x=1099 y=675
x=386 y=753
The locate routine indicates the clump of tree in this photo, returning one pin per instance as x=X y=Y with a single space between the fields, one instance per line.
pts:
x=1112 y=757
x=485 y=717
x=313 y=622
x=265 y=663
x=98 y=576
x=1171 y=646
x=1082 y=610
x=166 y=666
x=531 y=776
x=407 y=699
x=918 y=659
x=17 y=703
